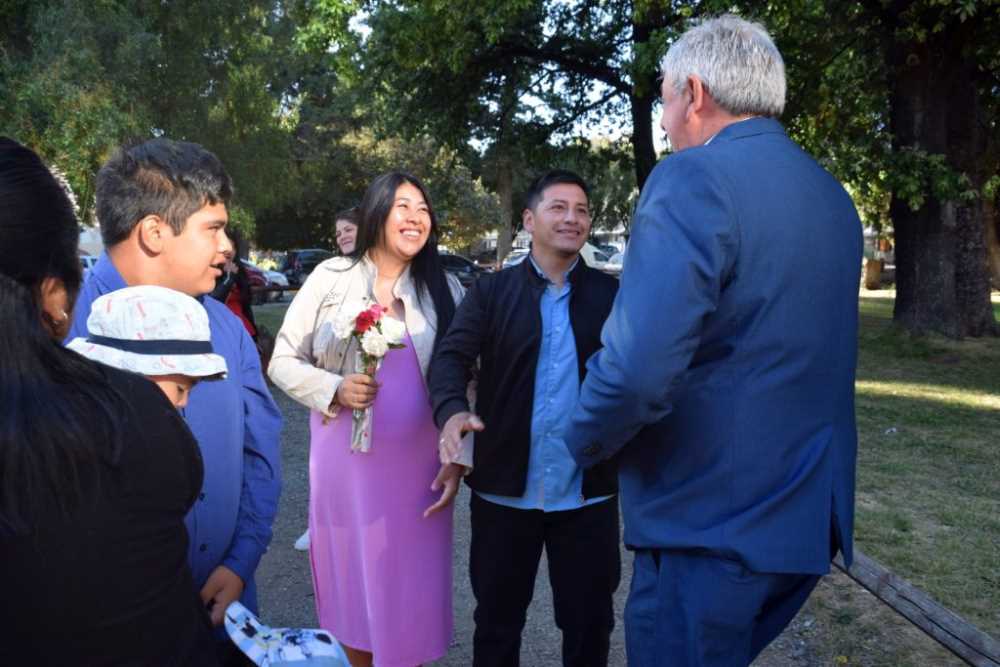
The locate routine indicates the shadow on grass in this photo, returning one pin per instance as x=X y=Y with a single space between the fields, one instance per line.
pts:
x=888 y=353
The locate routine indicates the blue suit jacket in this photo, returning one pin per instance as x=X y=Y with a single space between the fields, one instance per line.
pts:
x=726 y=378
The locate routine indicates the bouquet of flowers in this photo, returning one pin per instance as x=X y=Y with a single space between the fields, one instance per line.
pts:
x=375 y=335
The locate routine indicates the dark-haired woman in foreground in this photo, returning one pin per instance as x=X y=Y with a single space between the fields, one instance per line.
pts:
x=380 y=547
x=97 y=469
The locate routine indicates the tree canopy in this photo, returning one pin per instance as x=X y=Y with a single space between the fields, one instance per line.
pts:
x=306 y=100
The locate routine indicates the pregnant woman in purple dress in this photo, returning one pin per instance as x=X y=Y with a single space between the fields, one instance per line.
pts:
x=380 y=536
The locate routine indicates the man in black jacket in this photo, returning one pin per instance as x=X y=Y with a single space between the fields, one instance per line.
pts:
x=532 y=328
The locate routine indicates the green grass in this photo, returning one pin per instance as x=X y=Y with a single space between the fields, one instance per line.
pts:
x=928 y=503
x=270 y=315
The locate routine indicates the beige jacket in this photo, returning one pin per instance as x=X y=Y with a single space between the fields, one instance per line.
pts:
x=309 y=362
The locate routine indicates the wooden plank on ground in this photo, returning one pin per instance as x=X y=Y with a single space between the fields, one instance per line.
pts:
x=945 y=626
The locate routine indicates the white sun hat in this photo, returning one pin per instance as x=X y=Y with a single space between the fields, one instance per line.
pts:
x=150 y=330
x=282 y=647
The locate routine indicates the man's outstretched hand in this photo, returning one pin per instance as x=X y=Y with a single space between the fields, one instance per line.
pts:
x=448 y=479
x=460 y=423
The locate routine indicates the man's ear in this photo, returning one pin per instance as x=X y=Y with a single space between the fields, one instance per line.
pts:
x=151 y=232
x=697 y=91
x=528 y=220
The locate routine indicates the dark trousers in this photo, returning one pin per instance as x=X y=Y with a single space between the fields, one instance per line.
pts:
x=694 y=609
x=584 y=570
x=229 y=655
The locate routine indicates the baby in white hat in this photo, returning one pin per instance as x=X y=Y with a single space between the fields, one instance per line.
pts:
x=156 y=332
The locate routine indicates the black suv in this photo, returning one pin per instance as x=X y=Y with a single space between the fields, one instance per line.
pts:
x=464 y=269
x=300 y=263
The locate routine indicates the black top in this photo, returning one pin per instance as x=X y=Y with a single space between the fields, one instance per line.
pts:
x=110 y=584
x=500 y=323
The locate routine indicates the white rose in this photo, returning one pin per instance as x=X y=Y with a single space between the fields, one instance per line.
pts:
x=393 y=330
x=374 y=343
x=343 y=323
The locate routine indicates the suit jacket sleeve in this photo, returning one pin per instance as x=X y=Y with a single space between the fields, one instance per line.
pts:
x=681 y=253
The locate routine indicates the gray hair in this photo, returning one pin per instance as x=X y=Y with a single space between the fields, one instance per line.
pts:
x=737 y=62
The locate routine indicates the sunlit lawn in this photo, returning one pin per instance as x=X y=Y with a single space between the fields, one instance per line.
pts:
x=928 y=503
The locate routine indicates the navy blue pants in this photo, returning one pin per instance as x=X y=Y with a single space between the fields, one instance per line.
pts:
x=693 y=609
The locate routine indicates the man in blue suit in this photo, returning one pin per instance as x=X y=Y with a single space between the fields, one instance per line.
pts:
x=726 y=378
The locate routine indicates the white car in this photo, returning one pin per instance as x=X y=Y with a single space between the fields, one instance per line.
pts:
x=515 y=257
x=274 y=279
x=594 y=257
x=615 y=264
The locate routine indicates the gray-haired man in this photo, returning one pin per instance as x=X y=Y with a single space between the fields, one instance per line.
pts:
x=726 y=380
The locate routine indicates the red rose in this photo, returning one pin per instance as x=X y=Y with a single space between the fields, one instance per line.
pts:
x=364 y=322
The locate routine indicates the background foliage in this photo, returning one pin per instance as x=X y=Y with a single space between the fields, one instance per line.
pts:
x=306 y=100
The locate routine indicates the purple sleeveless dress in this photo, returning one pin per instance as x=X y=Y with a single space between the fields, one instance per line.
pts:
x=381 y=572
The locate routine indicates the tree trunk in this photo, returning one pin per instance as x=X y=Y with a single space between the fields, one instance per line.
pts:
x=644 y=91
x=505 y=191
x=504 y=170
x=873 y=273
x=642 y=138
x=942 y=277
x=992 y=225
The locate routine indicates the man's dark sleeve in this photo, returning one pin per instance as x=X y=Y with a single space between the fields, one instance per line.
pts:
x=451 y=367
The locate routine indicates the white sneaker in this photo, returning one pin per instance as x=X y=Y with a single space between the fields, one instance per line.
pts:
x=302 y=544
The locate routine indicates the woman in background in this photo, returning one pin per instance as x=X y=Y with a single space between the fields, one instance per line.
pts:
x=97 y=469
x=346 y=229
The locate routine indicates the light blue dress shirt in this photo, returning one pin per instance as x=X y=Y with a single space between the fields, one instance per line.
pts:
x=238 y=427
x=555 y=481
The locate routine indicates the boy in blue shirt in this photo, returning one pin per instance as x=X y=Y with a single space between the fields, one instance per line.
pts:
x=162 y=211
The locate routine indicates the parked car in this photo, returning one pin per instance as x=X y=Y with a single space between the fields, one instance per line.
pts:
x=486 y=260
x=462 y=268
x=607 y=248
x=300 y=263
x=593 y=257
x=276 y=285
x=515 y=257
x=614 y=264
x=258 y=284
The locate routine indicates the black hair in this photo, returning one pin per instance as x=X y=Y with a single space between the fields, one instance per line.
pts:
x=548 y=179
x=348 y=214
x=58 y=411
x=425 y=269
x=242 y=280
x=171 y=179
